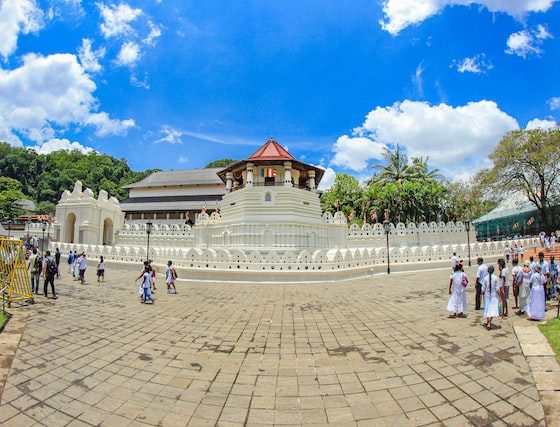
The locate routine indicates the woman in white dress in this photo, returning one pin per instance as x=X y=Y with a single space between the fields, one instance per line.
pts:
x=535 y=304
x=490 y=290
x=457 y=287
x=524 y=287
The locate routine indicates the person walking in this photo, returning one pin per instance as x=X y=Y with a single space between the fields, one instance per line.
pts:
x=82 y=268
x=170 y=276
x=34 y=265
x=101 y=269
x=70 y=262
x=454 y=261
x=524 y=281
x=146 y=277
x=521 y=252
x=457 y=288
x=507 y=253
x=544 y=272
x=153 y=272
x=535 y=303
x=481 y=274
x=504 y=286
x=490 y=290
x=77 y=261
x=514 y=275
x=553 y=271
x=49 y=272
x=57 y=255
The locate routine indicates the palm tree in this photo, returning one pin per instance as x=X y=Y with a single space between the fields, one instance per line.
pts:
x=421 y=170
x=397 y=168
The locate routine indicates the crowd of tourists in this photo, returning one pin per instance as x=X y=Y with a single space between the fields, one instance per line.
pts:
x=533 y=282
x=47 y=267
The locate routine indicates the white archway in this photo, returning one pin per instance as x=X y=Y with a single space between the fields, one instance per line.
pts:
x=70 y=227
x=107 y=235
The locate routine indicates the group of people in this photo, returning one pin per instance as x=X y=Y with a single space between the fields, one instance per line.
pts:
x=45 y=266
x=533 y=283
x=148 y=285
x=548 y=241
x=78 y=263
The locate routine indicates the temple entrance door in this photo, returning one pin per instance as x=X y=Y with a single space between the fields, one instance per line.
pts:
x=107 y=232
x=70 y=228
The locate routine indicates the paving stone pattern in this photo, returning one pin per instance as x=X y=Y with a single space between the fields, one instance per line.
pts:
x=377 y=351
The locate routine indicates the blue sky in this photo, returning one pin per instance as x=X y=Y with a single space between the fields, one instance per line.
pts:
x=175 y=84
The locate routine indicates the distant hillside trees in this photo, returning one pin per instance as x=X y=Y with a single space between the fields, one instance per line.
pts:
x=220 y=163
x=43 y=177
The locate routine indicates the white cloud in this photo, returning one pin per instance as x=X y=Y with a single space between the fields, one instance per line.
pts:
x=49 y=92
x=456 y=139
x=170 y=135
x=61 y=144
x=90 y=58
x=17 y=16
x=400 y=14
x=476 y=64
x=554 y=103
x=117 y=19
x=328 y=179
x=183 y=159
x=541 y=124
x=354 y=152
x=155 y=32
x=417 y=80
x=526 y=43
x=128 y=55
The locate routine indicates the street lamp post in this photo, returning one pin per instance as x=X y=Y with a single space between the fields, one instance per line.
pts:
x=387 y=228
x=9 y=224
x=43 y=227
x=468 y=228
x=148 y=232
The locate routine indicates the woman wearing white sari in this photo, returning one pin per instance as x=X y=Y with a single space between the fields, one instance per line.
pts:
x=457 y=287
x=523 y=282
x=535 y=304
x=490 y=290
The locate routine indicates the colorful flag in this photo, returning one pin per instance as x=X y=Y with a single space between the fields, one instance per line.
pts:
x=350 y=216
x=374 y=216
x=268 y=172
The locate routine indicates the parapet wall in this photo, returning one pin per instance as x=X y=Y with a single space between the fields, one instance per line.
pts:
x=319 y=265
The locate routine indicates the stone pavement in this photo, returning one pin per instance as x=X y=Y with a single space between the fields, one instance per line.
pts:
x=377 y=351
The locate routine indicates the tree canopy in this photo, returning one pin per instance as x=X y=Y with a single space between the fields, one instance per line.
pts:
x=406 y=191
x=43 y=177
x=528 y=161
x=220 y=163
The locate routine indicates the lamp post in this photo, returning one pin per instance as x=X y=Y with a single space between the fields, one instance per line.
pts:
x=387 y=228
x=9 y=224
x=468 y=228
x=148 y=232
x=43 y=227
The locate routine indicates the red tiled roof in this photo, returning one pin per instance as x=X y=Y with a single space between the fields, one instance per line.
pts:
x=271 y=151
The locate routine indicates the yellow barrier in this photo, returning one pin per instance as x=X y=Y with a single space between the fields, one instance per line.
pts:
x=15 y=283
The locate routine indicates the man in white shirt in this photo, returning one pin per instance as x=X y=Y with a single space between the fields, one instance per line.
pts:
x=514 y=273
x=454 y=261
x=507 y=253
x=481 y=274
x=82 y=266
x=545 y=272
x=504 y=279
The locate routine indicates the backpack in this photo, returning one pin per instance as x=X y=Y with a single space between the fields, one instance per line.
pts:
x=51 y=267
x=37 y=264
x=174 y=273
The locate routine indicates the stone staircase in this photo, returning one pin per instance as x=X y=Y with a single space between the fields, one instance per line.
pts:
x=534 y=252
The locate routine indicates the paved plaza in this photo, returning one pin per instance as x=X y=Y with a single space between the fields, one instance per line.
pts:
x=377 y=351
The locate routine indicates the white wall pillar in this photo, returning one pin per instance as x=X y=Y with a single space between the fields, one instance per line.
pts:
x=311 y=175
x=229 y=181
x=288 y=174
x=249 y=182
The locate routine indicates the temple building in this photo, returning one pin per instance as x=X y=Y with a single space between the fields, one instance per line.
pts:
x=169 y=196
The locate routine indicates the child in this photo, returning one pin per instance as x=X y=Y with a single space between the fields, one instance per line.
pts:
x=170 y=276
x=504 y=286
x=146 y=277
x=101 y=270
x=515 y=274
x=490 y=290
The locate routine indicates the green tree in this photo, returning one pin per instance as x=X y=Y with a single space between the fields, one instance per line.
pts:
x=345 y=195
x=10 y=195
x=528 y=161
x=396 y=168
x=221 y=163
